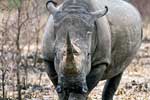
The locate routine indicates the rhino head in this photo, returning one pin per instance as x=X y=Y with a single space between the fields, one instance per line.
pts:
x=74 y=26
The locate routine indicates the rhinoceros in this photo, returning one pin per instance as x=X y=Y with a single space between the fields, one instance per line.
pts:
x=86 y=41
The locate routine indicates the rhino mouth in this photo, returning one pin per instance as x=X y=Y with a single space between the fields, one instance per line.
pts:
x=76 y=84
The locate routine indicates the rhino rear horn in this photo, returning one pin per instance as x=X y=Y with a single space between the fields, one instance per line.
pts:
x=100 y=13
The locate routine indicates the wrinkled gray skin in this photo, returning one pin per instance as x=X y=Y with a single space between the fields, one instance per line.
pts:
x=81 y=48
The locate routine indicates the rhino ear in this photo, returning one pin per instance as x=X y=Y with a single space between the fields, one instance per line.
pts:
x=51 y=6
x=100 y=13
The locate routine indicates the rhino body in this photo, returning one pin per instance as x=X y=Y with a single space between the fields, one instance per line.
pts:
x=113 y=46
x=126 y=35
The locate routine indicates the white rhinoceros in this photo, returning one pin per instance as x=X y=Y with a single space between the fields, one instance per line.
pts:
x=87 y=41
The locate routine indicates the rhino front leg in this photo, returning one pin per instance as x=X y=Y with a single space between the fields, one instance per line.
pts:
x=110 y=87
x=95 y=76
x=51 y=72
x=54 y=78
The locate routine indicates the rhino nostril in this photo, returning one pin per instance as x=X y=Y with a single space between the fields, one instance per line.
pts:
x=59 y=89
x=84 y=88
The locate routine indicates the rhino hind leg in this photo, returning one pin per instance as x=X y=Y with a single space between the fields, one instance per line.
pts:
x=110 y=87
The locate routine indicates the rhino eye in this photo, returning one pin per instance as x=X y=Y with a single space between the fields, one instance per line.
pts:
x=64 y=53
x=88 y=54
x=55 y=53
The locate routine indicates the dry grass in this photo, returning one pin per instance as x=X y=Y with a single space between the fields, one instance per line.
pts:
x=147 y=31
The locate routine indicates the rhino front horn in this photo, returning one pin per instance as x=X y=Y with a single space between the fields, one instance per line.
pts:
x=70 y=66
x=100 y=13
x=51 y=6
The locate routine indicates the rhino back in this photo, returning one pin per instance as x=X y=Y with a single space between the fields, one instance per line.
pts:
x=126 y=34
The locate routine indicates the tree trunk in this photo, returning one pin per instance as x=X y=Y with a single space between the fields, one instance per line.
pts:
x=3 y=83
x=18 y=83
